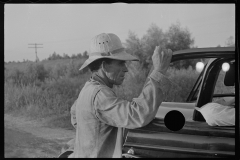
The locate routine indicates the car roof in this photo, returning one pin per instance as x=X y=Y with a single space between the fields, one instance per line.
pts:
x=212 y=52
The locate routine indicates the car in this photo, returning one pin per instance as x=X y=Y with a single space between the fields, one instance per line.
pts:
x=196 y=138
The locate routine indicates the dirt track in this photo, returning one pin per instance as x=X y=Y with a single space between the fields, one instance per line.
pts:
x=31 y=139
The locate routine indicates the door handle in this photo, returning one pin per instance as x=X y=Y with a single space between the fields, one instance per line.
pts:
x=130 y=154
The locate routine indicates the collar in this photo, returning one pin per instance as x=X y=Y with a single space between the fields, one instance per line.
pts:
x=101 y=78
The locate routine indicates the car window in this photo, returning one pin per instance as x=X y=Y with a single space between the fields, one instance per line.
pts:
x=221 y=90
x=220 y=87
x=185 y=79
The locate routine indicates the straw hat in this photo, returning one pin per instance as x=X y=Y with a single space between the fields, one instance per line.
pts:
x=107 y=45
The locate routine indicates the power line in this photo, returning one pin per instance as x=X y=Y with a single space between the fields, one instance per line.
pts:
x=36 y=47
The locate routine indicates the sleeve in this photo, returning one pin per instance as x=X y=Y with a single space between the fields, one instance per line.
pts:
x=73 y=114
x=140 y=111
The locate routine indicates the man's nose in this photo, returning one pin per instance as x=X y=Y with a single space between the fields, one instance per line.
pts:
x=125 y=69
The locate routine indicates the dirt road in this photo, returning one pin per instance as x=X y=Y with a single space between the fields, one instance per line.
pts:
x=31 y=139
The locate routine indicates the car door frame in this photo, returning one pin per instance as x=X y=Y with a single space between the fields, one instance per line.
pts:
x=207 y=79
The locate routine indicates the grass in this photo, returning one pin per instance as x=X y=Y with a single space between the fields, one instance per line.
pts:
x=44 y=89
x=48 y=64
x=185 y=80
x=48 y=89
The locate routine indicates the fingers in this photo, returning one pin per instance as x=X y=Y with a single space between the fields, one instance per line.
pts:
x=169 y=51
x=156 y=52
x=161 y=59
x=166 y=55
x=162 y=54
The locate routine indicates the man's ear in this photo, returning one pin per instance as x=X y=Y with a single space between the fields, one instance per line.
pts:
x=105 y=66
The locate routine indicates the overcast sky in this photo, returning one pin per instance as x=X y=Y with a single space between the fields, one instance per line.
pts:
x=68 y=28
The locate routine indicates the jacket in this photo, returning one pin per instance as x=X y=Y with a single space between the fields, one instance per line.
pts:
x=101 y=115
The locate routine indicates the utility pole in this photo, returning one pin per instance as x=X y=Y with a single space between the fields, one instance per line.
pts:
x=35 y=46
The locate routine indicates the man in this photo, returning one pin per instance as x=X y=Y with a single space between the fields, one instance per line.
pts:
x=220 y=112
x=100 y=114
x=73 y=115
x=226 y=101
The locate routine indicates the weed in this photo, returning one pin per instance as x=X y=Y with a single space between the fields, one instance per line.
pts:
x=44 y=90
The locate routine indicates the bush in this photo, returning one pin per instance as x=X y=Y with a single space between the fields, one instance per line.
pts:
x=63 y=92
x=185 y=80
x=73 y=69
x=58 y=71
x=36 y=72
x=133 y=83
x=38 y=92
x=135 y=80
x=15 y=76
x=18 y=97
x=59 y=88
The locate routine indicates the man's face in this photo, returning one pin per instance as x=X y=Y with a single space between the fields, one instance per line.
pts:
x=116 y=71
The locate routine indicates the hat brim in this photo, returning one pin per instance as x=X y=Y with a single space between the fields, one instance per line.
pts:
x=124 y=56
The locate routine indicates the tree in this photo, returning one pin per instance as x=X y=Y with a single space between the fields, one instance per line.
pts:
x=73 y=56
x=154 y=37
x=79 y=55
x=65 y=56
x=54 y=56
x=134 y=47
x=179 y=38
x=85 y=54
x=175 y=38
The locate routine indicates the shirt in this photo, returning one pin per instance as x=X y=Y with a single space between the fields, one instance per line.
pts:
x=101 y=115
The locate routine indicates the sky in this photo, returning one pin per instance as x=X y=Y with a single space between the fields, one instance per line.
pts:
x=68 y=28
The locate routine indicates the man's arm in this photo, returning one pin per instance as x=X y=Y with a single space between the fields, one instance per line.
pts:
x=228 y=102
x=73 y=114
x=140 y=111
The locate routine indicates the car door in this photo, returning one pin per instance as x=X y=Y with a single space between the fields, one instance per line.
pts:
x=187 y=107
x=196 y=138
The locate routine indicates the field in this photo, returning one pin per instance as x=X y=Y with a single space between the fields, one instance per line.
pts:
x=49 y=88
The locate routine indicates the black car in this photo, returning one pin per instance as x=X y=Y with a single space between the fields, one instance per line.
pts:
x=196 y=138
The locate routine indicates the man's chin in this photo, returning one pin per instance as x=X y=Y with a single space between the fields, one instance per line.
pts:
x=119 y=83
